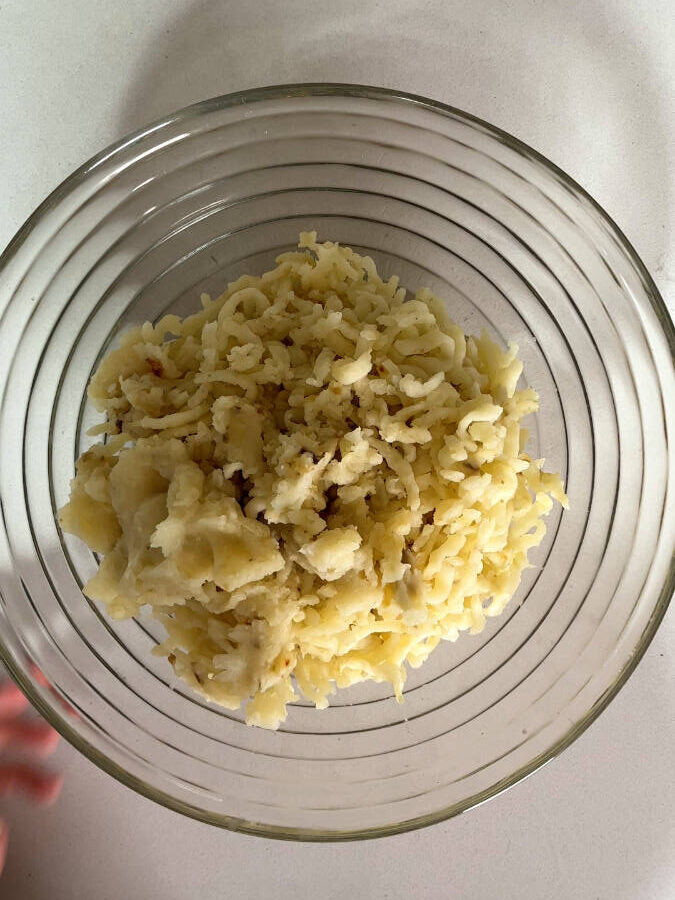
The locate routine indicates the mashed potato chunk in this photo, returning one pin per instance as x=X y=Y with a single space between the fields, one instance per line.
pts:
x=310 y=483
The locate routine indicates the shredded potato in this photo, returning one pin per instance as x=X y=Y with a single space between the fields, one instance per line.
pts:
x=310 y=482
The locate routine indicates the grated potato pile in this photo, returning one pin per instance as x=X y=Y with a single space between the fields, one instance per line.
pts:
x=312 y=477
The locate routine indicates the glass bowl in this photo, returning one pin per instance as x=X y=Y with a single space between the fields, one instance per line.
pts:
x=516 y=247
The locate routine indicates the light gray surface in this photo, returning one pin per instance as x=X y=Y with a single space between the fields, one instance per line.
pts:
x=590 y=85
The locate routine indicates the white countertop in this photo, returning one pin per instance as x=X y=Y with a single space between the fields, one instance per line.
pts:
x=589 y=84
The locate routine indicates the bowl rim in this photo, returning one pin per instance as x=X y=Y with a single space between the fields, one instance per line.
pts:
x=331 y=89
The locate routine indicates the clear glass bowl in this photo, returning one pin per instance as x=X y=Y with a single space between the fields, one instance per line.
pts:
x=515 y=246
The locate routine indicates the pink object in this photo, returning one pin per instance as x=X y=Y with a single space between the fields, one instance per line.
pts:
x=37 y=738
